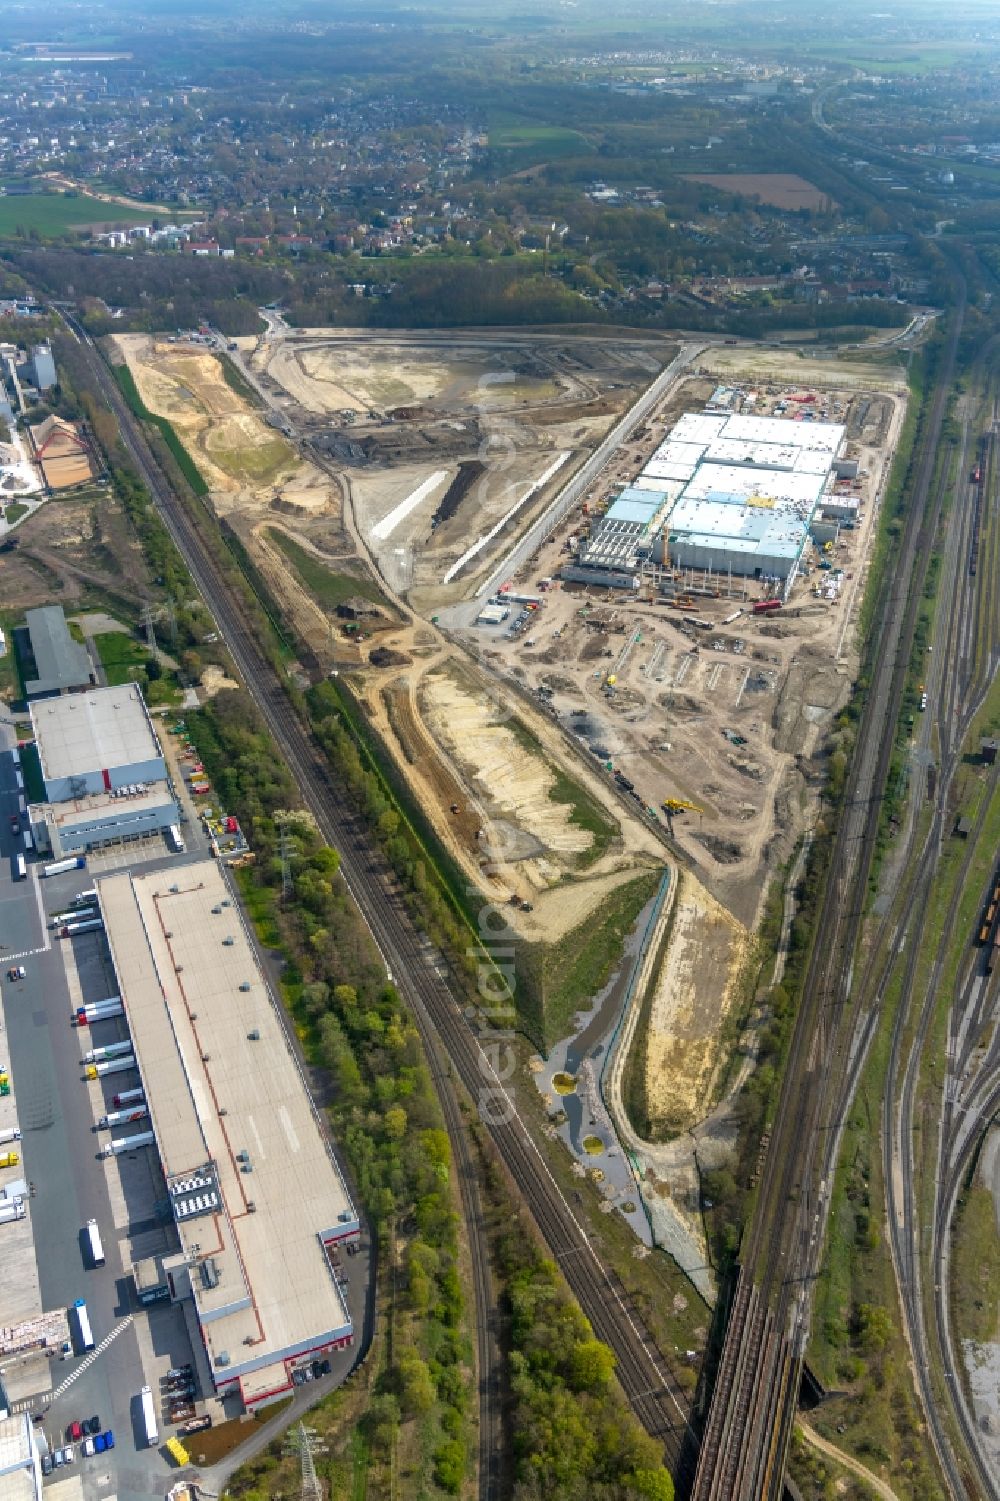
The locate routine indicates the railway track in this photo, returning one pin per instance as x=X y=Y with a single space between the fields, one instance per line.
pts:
x=786 y=1233
x=649 y=1384
x=967 y=666
x=960 y=679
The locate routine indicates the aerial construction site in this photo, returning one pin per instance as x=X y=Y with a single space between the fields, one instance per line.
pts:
x=597 y=595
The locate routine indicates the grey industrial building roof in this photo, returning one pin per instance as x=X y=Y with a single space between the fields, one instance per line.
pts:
x=60 y=661
x=225 y=1094
x=20 y=1477
x=788 y=489
x=102 y=728
x=737 y=528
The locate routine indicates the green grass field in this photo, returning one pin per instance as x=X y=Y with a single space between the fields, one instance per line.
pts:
x=122 y=657
x=56 y=213
x=528 y=143
x=327 y=588
x=253 y=464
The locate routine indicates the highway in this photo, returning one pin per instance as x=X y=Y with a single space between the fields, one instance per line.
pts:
x=454 y=1049
x=750 y=1419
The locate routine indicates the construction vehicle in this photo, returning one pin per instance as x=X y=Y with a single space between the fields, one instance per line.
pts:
x=674 y=805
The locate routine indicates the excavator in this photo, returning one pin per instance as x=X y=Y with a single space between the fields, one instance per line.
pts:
x=672 y=805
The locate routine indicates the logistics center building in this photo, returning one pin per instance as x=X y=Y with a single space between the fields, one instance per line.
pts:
x=255 y=1190
x=725 y=493
x=103 y=770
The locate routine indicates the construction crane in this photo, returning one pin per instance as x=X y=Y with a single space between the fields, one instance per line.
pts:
x=672 y=805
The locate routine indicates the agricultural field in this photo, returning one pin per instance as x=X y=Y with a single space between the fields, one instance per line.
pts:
x=785 y=190
x=56 y=213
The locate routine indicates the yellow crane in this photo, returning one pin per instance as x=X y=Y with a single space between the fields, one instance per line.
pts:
x=672 y=805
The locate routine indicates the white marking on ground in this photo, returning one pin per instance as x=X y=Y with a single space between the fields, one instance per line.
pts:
x=495 y=530
x=286 y=1121
x=89 y=1361
x=46 y=935
x=388 y=524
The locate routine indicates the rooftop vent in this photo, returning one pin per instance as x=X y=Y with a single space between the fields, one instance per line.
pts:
x=253 y=1036
x=244 y=984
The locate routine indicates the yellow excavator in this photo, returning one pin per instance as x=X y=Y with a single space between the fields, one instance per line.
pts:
x=672 y=805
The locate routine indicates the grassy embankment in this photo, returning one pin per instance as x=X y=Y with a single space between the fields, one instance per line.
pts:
x=327 y=587
x=185 y=463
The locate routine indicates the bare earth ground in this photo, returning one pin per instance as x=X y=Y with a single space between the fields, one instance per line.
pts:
x=694 y=994
x=853 y=371
x=453 y=739
x=396 y=412
x=246 y=463
x=783 y=189
x=727 y=718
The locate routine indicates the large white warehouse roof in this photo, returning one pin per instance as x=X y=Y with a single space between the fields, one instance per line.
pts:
x=101 y=728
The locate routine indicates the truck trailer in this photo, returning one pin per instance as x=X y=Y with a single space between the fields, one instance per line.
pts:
x=123 y=1117
x=110 y=1066
x=73 y=929
x=149 y=1417
x=11 y=1210
x=74 y=914
x=129 y=1097
x=100 y=1011
x=59 y=867
x=109 y=1050
x=10 y=1133
x=128 y=1144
